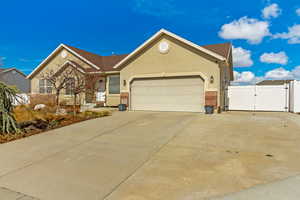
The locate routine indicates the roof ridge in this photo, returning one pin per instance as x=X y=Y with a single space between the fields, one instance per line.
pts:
x=103 y=62
x=82 y=50
x=94 y=53
x=116 y=55
x=217 y=43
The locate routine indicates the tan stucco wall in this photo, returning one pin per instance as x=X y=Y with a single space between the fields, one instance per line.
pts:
x=181 y=60
x=54 y=64
x=111 y=99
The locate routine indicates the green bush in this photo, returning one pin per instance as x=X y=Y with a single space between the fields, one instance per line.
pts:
x=8 y=122
x=93 y=114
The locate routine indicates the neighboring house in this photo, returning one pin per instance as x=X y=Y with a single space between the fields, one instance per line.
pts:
x=274 y=82
x=166 y=73
x=14 y=77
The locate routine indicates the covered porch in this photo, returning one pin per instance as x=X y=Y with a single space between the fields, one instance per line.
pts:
x=104 y=91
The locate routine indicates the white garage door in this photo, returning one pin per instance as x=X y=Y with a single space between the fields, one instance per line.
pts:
x=168 y=94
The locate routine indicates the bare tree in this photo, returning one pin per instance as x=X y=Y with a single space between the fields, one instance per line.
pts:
x=82 y=83
x=59 y=80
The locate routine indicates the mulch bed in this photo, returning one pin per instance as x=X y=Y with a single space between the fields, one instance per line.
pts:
x=4 y=138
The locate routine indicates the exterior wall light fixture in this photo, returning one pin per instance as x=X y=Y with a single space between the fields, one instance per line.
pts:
x=211 y=80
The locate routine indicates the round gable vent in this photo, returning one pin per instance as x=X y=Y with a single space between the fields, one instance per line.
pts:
x=164 y=47
x=64 y=54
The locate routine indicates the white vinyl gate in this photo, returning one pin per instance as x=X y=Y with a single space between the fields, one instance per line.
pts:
x=295 y=96
x=259 y=98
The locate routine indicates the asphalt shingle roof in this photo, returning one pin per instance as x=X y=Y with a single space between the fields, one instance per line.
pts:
x=221 y=49
x=105 y=63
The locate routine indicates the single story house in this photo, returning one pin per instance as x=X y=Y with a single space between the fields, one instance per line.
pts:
x=14 y=77
x=165 y=73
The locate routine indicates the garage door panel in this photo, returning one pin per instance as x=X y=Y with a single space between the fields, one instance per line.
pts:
x=168 y=94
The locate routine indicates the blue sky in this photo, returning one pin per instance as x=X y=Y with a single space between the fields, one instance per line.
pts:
x=265 y=34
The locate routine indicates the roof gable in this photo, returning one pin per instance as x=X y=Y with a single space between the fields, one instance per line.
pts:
x=5 y=70
x=93 y=58
x=165 y=32
x=98 y=62
x=54 y=53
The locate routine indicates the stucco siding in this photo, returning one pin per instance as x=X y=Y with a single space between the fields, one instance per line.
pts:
x=14 y=78
x=111 y=99
x=54 y=64
x=181 y=60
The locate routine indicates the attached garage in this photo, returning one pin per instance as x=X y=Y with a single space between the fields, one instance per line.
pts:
x=168 y=94
x=169 y=73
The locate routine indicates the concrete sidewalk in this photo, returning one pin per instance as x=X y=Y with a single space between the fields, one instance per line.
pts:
x=287 y=189
x=6 y=194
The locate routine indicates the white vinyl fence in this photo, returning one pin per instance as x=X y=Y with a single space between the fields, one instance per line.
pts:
x=295 y=96
x=259 y=98
x=22 y=99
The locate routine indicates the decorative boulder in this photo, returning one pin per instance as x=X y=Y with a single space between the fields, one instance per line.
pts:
x=39 y=106
x=41 y=124
x=61 y=111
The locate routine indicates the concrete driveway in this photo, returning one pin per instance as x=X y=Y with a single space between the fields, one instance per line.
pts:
x=139 y=155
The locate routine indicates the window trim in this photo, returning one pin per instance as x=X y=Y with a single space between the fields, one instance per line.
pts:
x=108 y=87
x=45 y=85
x=72 y=83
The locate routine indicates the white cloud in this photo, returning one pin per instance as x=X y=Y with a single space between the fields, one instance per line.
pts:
x=270 y=11
x=296 y=73
x=2 y=60
x=281 y=73
x=279 y=58
x=293 y=35
x=249 y=78
x=29 y=60
x=278 y=73
x=246 y=28
x=298 y=12
x=241 y=57
x=245 y=78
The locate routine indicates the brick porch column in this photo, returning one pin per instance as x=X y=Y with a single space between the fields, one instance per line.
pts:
x=124 y=98
x=211 y=98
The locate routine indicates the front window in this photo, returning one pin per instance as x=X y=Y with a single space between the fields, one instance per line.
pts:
x=45 y=86
x=114 y=84
x=70 y=87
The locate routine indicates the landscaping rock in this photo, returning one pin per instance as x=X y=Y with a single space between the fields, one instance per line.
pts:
x=30 y=129
x=61 y=111
x=26 y=124
x=40 y=124
x=39 y=106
